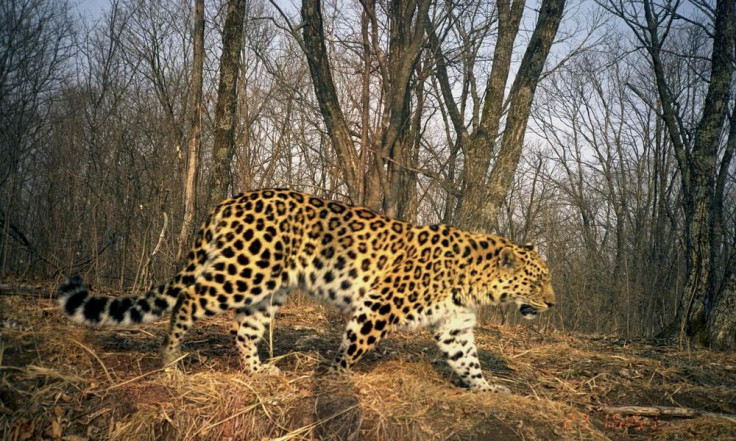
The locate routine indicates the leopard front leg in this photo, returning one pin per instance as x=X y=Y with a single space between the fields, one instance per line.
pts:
x=455 y=339
x=363 y=331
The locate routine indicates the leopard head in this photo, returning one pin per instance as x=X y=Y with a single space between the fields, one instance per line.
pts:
x=523 y=277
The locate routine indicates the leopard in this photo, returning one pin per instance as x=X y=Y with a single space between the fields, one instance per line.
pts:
x=381 y=272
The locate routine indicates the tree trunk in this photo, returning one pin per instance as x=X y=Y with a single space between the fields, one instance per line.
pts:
x=226 y=108
x=703 y=313
x=520 y=98
x=195 y=141
x=484 y=193
x=722 y=321
x=700 y=320
x=479 y=148
x=408 y=204
x=371 y=191
x=326 y=93
x=385 y=163
x=408 y=20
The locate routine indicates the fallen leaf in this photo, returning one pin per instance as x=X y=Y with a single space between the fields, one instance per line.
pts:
x=54 y=430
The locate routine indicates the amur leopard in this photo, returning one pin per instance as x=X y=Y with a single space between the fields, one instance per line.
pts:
x=385 y=273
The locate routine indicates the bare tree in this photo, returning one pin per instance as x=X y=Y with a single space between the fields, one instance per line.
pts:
x=36 y=42
x=483 y=193
x=324 y=88
x=407 y=23
x=195 y=119
x=614 y=171
x=226 y=109
x=697 y=151
x=520 y=102
x=387 y=158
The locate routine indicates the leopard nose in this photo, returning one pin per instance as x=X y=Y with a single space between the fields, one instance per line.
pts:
x=549 y=304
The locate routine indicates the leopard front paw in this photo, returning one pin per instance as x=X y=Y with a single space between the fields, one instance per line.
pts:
x=169 y=356
x=334 y=368
x=268 y=369
x=487 y=387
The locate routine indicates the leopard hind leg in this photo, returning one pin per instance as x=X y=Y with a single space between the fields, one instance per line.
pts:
x=183 y=316
x=249 y=326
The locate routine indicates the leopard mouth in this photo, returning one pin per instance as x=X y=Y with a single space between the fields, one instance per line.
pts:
x=528 y=311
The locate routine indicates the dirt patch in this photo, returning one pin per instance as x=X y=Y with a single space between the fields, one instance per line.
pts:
x=63 y=381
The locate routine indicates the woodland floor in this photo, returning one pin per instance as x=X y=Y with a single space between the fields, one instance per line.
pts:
x=63 y=381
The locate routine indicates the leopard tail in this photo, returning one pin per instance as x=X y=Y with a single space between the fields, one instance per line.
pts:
x=81 y=307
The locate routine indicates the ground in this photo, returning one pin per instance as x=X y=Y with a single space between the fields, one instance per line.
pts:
x=63 y=381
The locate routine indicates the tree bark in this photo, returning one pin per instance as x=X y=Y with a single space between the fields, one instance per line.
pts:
x=722 y=320
x=195 y=119
x=226 y=108
x=407 y=203
x=383 y=169
x=371 y=191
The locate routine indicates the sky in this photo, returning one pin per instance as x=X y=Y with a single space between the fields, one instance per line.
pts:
x=91 y=9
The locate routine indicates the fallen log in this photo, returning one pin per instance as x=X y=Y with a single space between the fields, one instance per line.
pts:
x=25 y=291
x=664 y=411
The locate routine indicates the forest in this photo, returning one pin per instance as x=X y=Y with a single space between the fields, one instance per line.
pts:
x=601 y=131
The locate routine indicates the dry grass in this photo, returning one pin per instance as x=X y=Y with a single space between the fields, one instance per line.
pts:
x=62 y=381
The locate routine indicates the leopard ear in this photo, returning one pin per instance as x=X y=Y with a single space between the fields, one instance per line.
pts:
x=508 y=260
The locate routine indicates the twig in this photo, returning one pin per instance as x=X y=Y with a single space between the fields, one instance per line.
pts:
x=161 y=369
x=144 y=270
x=161 y=235
x=522 y=353
x=657 y=411
x=71 y=269
x=235 y=415
x=104 y=368
x=258 y=397
x=149 y=264
x=309 y=427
